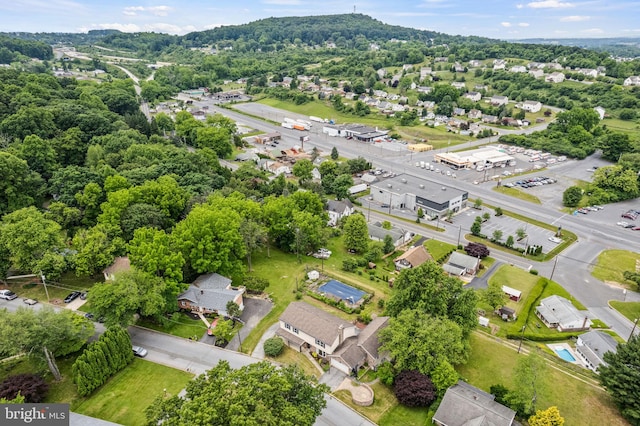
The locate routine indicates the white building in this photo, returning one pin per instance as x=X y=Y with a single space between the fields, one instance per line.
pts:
x=634 y=80
x=531 y=106
x=555 y=77
x=592 y=346
x=558 y=312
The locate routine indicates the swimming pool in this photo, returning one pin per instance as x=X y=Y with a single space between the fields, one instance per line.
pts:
x=565 y=354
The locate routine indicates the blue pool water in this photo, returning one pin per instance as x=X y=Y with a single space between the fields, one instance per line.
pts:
x=343 y=291
x=565 y=354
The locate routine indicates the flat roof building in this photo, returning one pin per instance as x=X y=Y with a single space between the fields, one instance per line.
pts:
x=475 y=157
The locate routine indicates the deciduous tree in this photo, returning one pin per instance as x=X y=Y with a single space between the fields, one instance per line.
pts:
x=621 y=378
x=414 y=389
x=356 y=233
x=549 y=417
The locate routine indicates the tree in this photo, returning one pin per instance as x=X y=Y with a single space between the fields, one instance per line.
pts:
x=414 y=389
x=418 y=341
x=209 y=240
x=621 y=377
x=477 y=203
x=443 y=377
x=549 y=417
x=273 y=346
x=94 y=250
x=493 y=295
x=20 y=186
x=428 y=289
x=152 y=251
x=614 y=144
x=521 y=233
x=388 y=246
x=233 y=310
x=510 y=241
x=571 y=196
x=254 y=236
x=477 y=250
x=486 y=216
x=259 y=393
x=499 y=211
x=132 y=292
x=39 y=154
x=255 y=284
x=31 y=386
x=341 y=185
x=334 y=153
x=356 y=233
x=527 y=373
x=476 y=227
x=302 y=170
x=224 y=332
x=34 y=243
x=497 y=235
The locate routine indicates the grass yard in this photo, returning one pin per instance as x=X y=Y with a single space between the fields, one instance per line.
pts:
x=516 y=193
x=612 y=264
x=32 y=288
x=401 y=415
x=438 y=249
x=492 y=363
x=383 y=401
x=517 y=278
x=631 y=310
x=292 y=357
x=180 y=324
x=124 y=398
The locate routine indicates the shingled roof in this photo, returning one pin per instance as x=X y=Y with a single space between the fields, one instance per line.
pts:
x=211 y=291
x=465 y=405
x=314 y=321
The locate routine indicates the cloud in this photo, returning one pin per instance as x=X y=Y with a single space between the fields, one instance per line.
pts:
x=154 y=10
x=162 y=27
x=523 y=24
x=549 y=4
x=593 y=31
x=282 y=2
x=505 y=24
x=574 y=18
x=519 y=6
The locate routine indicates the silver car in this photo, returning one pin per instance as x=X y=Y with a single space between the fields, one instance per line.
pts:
x=139 y=351
x=7 y=295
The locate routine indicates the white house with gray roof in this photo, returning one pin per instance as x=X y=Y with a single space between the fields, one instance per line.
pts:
x=338 y=210
x=557 y=312
x=210 y=293
x=406 y=192
x=377 y=233
x=461 y=264
x=592 y=346
x=466 y=405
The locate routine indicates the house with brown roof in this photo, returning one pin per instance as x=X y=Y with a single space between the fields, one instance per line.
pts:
x=120 y=264
x=209 y=294
x=362 y=349
x=466 y=405
x=412 y=258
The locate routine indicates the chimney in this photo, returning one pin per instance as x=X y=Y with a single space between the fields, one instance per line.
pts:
x=584 y=324
x=341 y=334
x=201 y=291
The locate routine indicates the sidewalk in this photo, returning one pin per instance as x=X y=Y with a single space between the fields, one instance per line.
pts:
x=258 y=352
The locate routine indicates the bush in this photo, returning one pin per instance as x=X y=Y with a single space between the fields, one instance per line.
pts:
x=273 y=346
x=533 y=271
x=386 y=373
x=414 y=389
x=349 y=265
x=477 y=250
x=381 y=303
x=31 y=386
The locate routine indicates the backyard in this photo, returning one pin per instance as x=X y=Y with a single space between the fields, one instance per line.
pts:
x=579 y=403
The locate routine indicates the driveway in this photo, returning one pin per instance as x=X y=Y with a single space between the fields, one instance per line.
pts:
x=254 y=311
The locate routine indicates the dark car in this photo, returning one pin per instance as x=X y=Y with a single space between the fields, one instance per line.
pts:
x=72 y=296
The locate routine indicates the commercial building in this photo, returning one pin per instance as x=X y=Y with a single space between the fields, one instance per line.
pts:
x=487 y=156
x=406 y=192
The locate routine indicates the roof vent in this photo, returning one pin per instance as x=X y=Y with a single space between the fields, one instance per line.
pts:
x=444 y=188
x=404 y=180
x=389 y=185
x=421 y=186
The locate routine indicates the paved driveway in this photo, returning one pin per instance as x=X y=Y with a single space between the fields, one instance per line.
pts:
x=254 y=311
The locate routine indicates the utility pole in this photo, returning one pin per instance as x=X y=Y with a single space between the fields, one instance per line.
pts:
x=459 y=230
x=521 y=337
x=554 y=268
x=44 y=282
x=635 y=323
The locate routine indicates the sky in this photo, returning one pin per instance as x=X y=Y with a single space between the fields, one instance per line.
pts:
x=499 y=19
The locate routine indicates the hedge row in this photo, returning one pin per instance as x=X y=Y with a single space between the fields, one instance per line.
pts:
x=102 y=359
x=530 y=304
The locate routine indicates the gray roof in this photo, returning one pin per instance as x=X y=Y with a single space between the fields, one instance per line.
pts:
x=433 y=191
x=453 y=270
x=211 y=291
x=466 y=405
x=339 y=206
x=558 y=310
x=461 y=260
x=353 y=351
x=77 y=419
x=314 y=321
x=376 y=230
x=596 y=344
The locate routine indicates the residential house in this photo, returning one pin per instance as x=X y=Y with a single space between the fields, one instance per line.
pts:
x=247 y=156
x=120 y=264
x=532 y=106
x=557 y=312
x=518 y=69
x=466 y=405
x=381 y=72
x=474 y=63
x=634 y=80
x=377 y=233
x=506 y=313
x=275 y=167
x=424 y=89
x=461 y=264
x=412 y=258
x=489 y=118
x=315 y=174
x=474 y=96
x=601 y=112
x=536 y=73
x=441 y=59
x=457 y=67
x=498 y=100
x=380 y=93
x=407 y=67
x=480 y=87
x=554 y=77
x=499 y=64
x=588 y=72
x=459 y=85
x=360 y=350
x=338 y=210
x=425 y=72
x=209 y=294
x=459 y=111
x=303 y=326
x=591 y=347
x=474 y=114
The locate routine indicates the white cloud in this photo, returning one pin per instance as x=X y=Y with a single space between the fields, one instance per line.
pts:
x=593 y=31
x=154 y=10
x=549 y=4
x=162 y=27
x=574 y=18
x=523 y=24
x=282 y=2
x=519 y=6
x=132 y=10
x=505 y=24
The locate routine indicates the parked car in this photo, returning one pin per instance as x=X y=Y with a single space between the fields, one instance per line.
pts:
x=555 y=240
x=83 y=295
x=7 y=295
x=72 y=296
x=30 y=302
x=139 y=351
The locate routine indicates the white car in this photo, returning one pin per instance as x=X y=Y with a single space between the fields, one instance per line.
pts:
x=623 y=223
x=7 y=295
x=139 y=351
x=555 y=240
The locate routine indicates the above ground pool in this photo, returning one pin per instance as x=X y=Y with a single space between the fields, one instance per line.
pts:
x=342 y=291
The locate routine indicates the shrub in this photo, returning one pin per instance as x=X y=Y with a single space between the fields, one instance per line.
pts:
x=414 y=389
x=477 y=250
x=273 y=346
x=31 y=386
x=533 y=271
x=386 y=373
x=349 y=265
x=381 y=303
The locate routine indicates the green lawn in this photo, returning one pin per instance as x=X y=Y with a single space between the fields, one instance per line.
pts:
x=438 y=249
x=400 y=415
x=612 y=264
x=580 y=404
x=516 y=193
x=383 y=401
x=182 y=326
x=292 y=357
x=517 y=278
x=124 y=398
x=631 y=310
x=32 y=288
